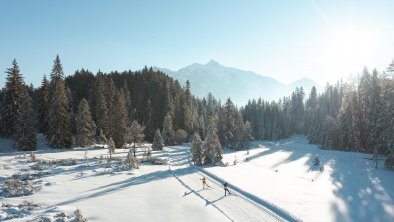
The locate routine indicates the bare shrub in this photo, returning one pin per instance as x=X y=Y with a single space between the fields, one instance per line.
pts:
x=78 y=216
x=17 y=188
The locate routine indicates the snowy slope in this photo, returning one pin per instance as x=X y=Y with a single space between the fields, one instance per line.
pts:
x=275 y=181
x=348 y=188
x=151 y=193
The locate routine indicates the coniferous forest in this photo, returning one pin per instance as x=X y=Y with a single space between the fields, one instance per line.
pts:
x=86 y=108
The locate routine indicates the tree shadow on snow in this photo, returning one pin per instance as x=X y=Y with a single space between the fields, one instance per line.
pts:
x=367 y=196
x=125 y=184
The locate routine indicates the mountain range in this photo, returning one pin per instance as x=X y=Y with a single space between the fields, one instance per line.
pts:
x=224 y=82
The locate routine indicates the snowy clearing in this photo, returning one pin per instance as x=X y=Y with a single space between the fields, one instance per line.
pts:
x=274 y=181
x=67 y=181
x=345 y=187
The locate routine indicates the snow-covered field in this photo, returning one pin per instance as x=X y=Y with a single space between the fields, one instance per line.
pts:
x=346 y=188
x=112 y=193
x=274 y=182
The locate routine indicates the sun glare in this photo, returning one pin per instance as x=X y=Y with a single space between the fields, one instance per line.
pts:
x=350 y=49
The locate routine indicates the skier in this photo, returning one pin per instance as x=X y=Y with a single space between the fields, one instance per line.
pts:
x=204 y=182
x=226 y=189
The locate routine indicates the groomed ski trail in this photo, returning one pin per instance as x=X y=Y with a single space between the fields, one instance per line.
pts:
x=235 y=207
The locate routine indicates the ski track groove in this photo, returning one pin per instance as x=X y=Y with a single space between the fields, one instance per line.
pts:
x=199 y=195
x=282 y=216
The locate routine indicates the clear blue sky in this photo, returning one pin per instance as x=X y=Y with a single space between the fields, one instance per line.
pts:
x=287 y=40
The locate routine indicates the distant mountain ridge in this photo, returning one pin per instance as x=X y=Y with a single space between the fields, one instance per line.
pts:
x=224 y=82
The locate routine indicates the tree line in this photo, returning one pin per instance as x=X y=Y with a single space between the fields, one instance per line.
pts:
x=355 y=116
x=85 y=108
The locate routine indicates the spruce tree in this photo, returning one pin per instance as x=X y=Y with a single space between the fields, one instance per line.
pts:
x=168 y=130
x=102 y=138
x=188 y=117
x=197 y=150
x=157 y=141
x=136 y=134
x=212 y=146
x=243 y=134
x=25 y=127
x=127 y=96
x=102 y=117
x=43 y=106
x=111 y=147
x=229 y=124
x=59 y=131
x=118 y=124
x=12 y=100
x=347 y=135
x=85 y=127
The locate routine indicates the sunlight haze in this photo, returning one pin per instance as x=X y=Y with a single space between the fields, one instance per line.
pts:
x=286 y=40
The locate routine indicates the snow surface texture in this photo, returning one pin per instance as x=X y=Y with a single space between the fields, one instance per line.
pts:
x=74 y=179
x=273 y=181
x=346 y=187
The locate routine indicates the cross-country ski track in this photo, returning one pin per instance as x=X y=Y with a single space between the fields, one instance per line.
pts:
x=236 y=207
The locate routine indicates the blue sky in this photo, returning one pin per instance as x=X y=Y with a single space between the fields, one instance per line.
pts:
x=286 y=40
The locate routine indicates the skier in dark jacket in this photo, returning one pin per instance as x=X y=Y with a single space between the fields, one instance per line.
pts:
x=226 y=189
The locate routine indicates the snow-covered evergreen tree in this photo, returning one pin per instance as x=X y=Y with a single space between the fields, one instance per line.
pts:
x=136 y=134
x=127 y=97
x=85 y=127
x=346 y=135
x=243 y=134
x=12 y=100
x=99 y=105
x=111 y=147
x=188 y=110
x=212 y=146
x=196 y=150
x=131 y=160
x=59 y=131
x=102 y=137
x=43 y=106
x=119 y=121
x=311 y=106
x=25 y=127
x=157 y=141
x=168 y=130
x=329 y=136
x=229 y=123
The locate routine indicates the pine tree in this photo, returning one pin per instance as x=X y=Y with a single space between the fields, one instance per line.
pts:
x=118 y=124
x=25 y=127
x=128 y=102
x=99 y=105
x=85 y=127
x=59 y=131
x=168 y=131
x=43 y=106
x=157 y=141
x=111 y=147
x=136 y=134
x=131 y=161
x=102 y=114
x=188 y=117
x=12 y=100
x=229 y=123
x=329 y=136
x=212 y=146
x=102 y=138
x=310 y=110
x=346 y=136
x=243 y=134
x=197 y=150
